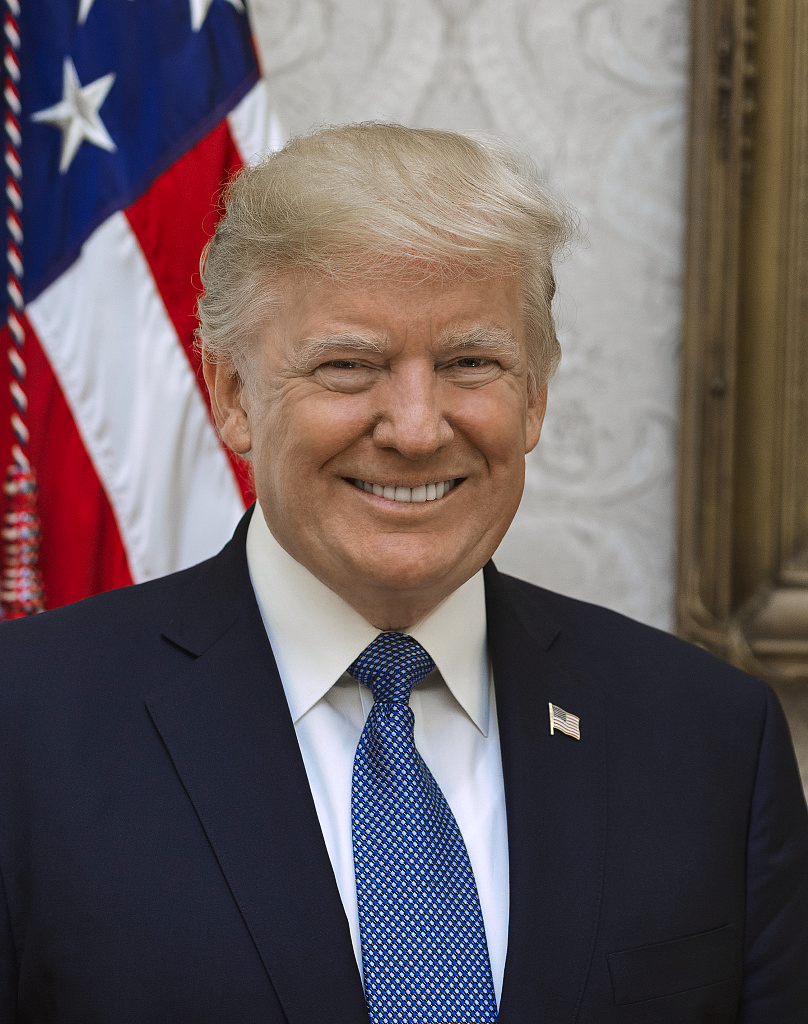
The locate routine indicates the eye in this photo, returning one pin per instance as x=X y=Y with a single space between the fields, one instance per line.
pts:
x=345 y=375
x=472 y=362
x=340 y=364
x=472 y=371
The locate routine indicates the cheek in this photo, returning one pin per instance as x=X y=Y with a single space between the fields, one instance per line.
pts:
x=330 y=425
x=299 y=439
x=496 y=428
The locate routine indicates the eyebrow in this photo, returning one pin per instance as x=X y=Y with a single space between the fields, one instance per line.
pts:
x=495 y=340
x=320 y=345
x=315 y=347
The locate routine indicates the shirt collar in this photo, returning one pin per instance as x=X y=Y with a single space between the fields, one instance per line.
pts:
x=315 y=634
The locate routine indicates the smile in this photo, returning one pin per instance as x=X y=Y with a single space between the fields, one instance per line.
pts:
x=426 y=492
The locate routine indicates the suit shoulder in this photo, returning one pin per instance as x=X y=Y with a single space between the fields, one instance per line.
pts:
x=111 y=609
x=117 y=614
x=623 y=651
x=99 y=644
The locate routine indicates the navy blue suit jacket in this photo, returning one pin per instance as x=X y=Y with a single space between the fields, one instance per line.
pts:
x=162 y=860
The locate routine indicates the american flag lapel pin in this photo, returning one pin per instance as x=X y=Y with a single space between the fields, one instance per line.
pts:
x=564 y=722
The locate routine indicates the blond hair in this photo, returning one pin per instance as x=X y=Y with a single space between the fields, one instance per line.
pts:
x=378 y=199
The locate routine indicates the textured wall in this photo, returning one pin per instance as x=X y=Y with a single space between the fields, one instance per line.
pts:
x=596 y=91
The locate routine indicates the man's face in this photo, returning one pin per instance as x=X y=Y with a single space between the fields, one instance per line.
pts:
x=388 y=426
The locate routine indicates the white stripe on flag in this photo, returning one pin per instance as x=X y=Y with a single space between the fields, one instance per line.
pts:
x=254 y=125
x=137 y=406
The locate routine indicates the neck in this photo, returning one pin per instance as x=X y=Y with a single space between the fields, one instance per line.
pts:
x=395 y=616
x=389 y=609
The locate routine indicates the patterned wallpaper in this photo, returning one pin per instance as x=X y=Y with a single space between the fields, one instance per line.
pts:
x=596 y=90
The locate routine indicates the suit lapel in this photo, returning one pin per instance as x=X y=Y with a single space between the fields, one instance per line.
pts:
x=555 y=792
x=226 y=725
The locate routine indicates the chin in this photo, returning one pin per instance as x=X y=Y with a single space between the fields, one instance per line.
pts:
x=412 y=571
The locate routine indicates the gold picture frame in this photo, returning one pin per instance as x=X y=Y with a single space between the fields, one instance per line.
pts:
x=743 y=508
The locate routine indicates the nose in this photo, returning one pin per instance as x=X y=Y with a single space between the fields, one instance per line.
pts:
x=412 y=419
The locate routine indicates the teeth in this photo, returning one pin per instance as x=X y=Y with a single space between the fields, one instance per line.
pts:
x=426 y=492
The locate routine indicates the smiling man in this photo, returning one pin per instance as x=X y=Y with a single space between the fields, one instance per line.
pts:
x=387 y=424
x=345 y=771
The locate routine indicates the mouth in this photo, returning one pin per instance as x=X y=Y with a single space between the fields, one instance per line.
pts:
x=408 y=495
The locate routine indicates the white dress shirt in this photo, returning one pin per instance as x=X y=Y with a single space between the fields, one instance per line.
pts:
x=315 y=635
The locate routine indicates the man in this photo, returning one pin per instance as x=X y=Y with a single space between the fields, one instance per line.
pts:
x=214 y=805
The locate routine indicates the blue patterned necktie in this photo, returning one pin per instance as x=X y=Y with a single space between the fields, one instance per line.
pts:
x=424 y=952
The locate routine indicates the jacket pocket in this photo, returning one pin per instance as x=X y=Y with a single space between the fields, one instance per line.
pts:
x=666 y=968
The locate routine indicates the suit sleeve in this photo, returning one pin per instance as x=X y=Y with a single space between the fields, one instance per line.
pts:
x=776 y=938
x=8 y=964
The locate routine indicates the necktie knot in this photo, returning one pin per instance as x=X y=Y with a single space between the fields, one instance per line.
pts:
x=392 y=666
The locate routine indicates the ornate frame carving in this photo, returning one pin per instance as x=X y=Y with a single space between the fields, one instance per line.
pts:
x=743 y=516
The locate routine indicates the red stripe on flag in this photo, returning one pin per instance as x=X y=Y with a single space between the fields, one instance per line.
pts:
x=81 y=551
x=172 y=221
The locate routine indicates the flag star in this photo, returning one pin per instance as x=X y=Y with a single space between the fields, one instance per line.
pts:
x=85 y=6
x=200 y=8
x=76 y=114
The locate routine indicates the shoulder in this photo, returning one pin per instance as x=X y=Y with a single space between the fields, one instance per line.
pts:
x=108 y=640
x=115 y=612
x=633 y=663
x=82 y=653
x=677 y=719
x=116 y=615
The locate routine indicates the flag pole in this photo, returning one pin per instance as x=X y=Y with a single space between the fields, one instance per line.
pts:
x=21 y=590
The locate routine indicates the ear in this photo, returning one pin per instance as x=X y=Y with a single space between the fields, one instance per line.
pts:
x=534 y=418
x=226 y=391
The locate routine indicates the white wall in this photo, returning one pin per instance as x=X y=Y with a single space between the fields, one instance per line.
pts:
x=596 y=91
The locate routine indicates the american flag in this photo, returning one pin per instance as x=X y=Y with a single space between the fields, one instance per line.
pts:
x=564 y=722
x=123 y=120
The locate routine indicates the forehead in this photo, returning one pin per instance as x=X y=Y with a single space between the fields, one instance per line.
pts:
x=392 y=307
